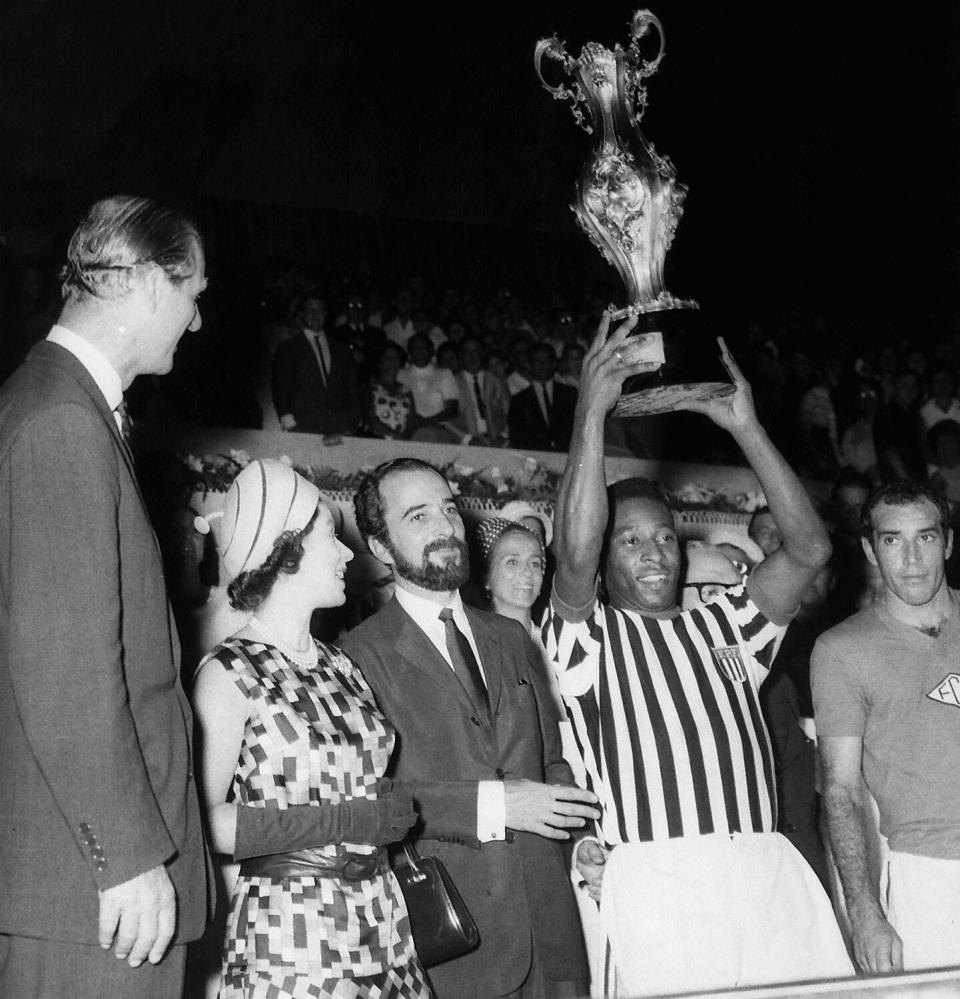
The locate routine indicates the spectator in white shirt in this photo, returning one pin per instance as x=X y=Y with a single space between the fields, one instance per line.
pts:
x=401 y=327
x=943 y=404
x=436 y=397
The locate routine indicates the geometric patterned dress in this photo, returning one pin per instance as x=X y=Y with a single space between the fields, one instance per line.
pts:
x=313 y=737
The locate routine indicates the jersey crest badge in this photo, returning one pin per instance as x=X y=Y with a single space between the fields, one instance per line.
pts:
x=730 y=663
x=947 y=691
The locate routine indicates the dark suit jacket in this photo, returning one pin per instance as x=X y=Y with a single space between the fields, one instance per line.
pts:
x=95 y=729
x=518 y=890
x=530 y=431
x=298 y=387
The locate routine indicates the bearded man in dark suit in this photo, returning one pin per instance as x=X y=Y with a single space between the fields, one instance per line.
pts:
x=478 y=743
x=100 y=839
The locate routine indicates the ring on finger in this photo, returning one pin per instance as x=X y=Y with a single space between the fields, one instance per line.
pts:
x=619 y=357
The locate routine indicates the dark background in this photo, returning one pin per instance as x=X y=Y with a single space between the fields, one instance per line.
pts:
x=819 y=144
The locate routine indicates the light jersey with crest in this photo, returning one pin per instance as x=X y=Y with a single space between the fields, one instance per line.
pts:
x=666 y=716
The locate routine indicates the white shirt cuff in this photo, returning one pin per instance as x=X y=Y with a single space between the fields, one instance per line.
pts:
x=491 y=810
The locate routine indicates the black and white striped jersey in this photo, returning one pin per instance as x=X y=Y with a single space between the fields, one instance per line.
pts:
x=666 y=716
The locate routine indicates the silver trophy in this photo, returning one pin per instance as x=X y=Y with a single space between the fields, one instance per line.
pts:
x=629 y=203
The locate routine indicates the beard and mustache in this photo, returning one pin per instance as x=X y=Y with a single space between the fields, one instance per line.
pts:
x=449 y=575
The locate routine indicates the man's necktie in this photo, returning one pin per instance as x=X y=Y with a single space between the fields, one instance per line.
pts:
x=465 y=663
x=123 y=421
x=478 y=395
x=324 y=374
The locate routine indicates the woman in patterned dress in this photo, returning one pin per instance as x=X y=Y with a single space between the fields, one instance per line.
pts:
x=294 y=749
x=390 y=410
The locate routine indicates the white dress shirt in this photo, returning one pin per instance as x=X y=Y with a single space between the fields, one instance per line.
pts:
x=97 y=365
x=491 y=798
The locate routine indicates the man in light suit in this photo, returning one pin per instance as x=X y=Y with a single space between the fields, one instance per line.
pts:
x=479 y=745
x=100 y=839
x=484 y=399
x=314 y=379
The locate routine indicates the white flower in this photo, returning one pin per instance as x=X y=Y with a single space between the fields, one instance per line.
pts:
x=502 y=487
x=286 y=460
x=240 y=457
x=454 y=487
x=193 y=463
x=463 y=470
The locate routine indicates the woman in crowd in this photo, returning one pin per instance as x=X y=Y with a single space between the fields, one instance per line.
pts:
x=389 y=407
x=512 y=565
x=294 y=749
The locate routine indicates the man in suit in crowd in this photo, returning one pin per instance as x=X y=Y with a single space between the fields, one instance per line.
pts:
x=479 y=746
x=484 y=398
x=100 y=837
x=315 y=386
x=541 y=415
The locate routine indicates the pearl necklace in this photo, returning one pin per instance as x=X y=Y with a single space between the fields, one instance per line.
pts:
x=306 y=659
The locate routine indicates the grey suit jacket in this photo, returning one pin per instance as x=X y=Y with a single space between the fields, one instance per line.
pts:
x=517 y=890
x=95 y=729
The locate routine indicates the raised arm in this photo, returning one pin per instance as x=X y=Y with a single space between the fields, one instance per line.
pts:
x=581 y=513
x=780 y=580
x=876 y=946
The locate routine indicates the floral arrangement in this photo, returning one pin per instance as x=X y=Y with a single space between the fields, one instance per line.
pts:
x=533 y=482
x=698 y=497
x=214 y=473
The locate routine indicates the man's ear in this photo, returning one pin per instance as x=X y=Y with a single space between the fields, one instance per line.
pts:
x=949 y=548
x=155 y=282
x=868 y=551
x=380 y=551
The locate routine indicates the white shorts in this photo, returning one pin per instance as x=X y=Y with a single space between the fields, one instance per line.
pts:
x=717 y=912
x=923 y=906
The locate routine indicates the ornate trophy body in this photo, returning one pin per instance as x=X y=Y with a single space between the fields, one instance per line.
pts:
x=628 y=203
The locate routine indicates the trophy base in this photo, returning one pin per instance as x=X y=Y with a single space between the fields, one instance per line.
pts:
x=689 y=363
x=669 y=398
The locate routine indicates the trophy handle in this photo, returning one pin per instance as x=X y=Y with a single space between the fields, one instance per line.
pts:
x=640 y=24
x=554 y=49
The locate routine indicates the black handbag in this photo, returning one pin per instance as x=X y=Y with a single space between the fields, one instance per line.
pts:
x=442 y=926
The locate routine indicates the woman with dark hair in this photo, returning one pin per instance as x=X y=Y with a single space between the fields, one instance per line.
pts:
x=390 y=409
x=513 y=563
x=294 y=752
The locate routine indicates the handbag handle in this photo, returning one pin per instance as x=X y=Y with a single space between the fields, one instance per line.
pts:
x=412 y=856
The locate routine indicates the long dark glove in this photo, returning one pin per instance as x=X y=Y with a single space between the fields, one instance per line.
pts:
x=378 y=821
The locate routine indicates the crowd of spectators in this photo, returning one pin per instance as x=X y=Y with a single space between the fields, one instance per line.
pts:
x=501 y=369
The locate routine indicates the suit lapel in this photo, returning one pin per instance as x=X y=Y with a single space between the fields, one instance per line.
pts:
x=414 y=646
x=71 y=366
x=491 y=658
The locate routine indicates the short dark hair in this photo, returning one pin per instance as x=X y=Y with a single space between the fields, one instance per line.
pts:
x=368 y=500
x=941 y=429
x=249 y=590
x=419 y=338
x=396 y=348
x=761 y=511
x=850 y=477
x=473 y=338
x=543 y=348
x=635 y=488
x=119 y=233
x=902 y=493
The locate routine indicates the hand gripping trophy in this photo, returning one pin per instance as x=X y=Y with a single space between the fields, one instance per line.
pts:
x=629 y=202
